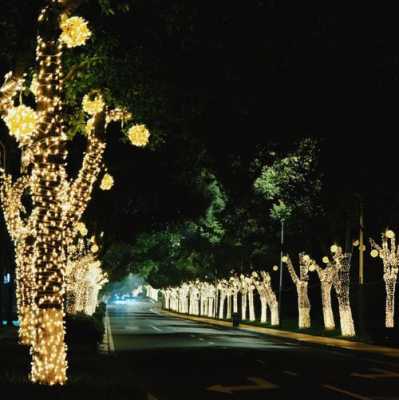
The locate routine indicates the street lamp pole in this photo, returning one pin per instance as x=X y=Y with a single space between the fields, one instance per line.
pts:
x=361 y=246
x=280 y=292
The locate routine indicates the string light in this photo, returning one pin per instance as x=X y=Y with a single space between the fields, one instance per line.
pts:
x=341 y=283
x=326 y=277
x=139 y=135
x=301 y=284
x=389 y=253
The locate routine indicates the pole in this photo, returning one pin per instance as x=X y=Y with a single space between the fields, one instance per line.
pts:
x=280 y=291
x=361 y=247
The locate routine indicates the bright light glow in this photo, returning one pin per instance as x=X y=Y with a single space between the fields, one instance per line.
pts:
x=21 y=121
x=139 y=135
x=75 y=31
x=107 y=182
x=93 y=105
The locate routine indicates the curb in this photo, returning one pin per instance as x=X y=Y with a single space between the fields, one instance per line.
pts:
x=300 y=337
x=107 y=346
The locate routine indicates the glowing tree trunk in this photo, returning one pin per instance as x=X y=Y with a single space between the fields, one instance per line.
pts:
x=228 y=313
x=222 y=300
x=326 y=277
x=389 y=253
x=251 y=301
x=235 y=300
x=20 y=232
x=390 y=284
x=301 y=283
x=341 y=264
x=244 y=294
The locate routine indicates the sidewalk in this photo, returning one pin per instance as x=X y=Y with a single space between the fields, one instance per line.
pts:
x=302 y=337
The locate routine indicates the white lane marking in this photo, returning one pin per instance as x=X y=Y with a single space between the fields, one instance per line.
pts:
x=380 y=374
x=290 y=373
x=156 y=328
x=258 y=384
x=111 y=345
x=354 y=395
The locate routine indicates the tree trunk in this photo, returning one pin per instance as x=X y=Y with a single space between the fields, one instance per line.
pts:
x=251 y=305
x=243 y=306
x=390 y=285
x=263 y=316
x=303 y=305
x=228 y=315
x=235 y=302
x=328 y=315
x=221 y=305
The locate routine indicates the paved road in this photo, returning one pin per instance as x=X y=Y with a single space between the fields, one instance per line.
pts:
x=176 y=359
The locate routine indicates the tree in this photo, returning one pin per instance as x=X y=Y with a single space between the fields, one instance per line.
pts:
x=58 y=201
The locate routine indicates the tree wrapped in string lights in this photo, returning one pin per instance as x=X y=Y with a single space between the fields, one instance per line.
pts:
x=58 y=201
x=389 y=253
x=326 y=276
x=301 y=284
x=244 y=295
x=267 y=298
x=341 y=262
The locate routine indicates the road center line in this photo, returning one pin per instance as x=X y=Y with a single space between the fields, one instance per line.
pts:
x=157 y=329
x=354 y=395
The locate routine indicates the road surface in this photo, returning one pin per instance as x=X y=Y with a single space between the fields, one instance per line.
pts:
x=178 y=359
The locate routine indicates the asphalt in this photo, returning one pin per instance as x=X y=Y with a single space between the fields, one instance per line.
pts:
x=173 y=358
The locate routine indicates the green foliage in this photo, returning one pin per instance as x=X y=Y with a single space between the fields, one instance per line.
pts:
x=292 y=183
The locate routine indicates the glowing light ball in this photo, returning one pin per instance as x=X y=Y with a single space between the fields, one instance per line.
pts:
x=356 y=243
x=374 y=253
x=275 y=268
x=75 y=32
x=94 y=248
x=390 y=234
x=326 y=260
x=334 y=248
x=94 y=105
x=138 y=135
x=21 y=121
x=284 y=259
x=107 y=182
x=312 y=268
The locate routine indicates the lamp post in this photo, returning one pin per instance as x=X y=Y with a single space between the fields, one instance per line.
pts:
x=280 y=290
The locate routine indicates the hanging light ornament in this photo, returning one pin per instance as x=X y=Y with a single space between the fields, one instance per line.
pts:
x=75 y=31
x=21 y=121
x=139 y=135
x=93 y=105
x=107 y=182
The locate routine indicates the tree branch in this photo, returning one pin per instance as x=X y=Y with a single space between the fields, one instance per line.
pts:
x=82 y=187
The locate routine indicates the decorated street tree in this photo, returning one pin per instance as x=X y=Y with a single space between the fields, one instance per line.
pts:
x=301 y=284
x=222 y=288
x=251 y=300
x=58 y=201
x=341 y=263
x=235 y=287
x=267 y=298
x=326 y=276
x=389 y=253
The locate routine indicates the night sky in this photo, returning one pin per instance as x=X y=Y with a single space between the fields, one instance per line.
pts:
x=233 y=76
